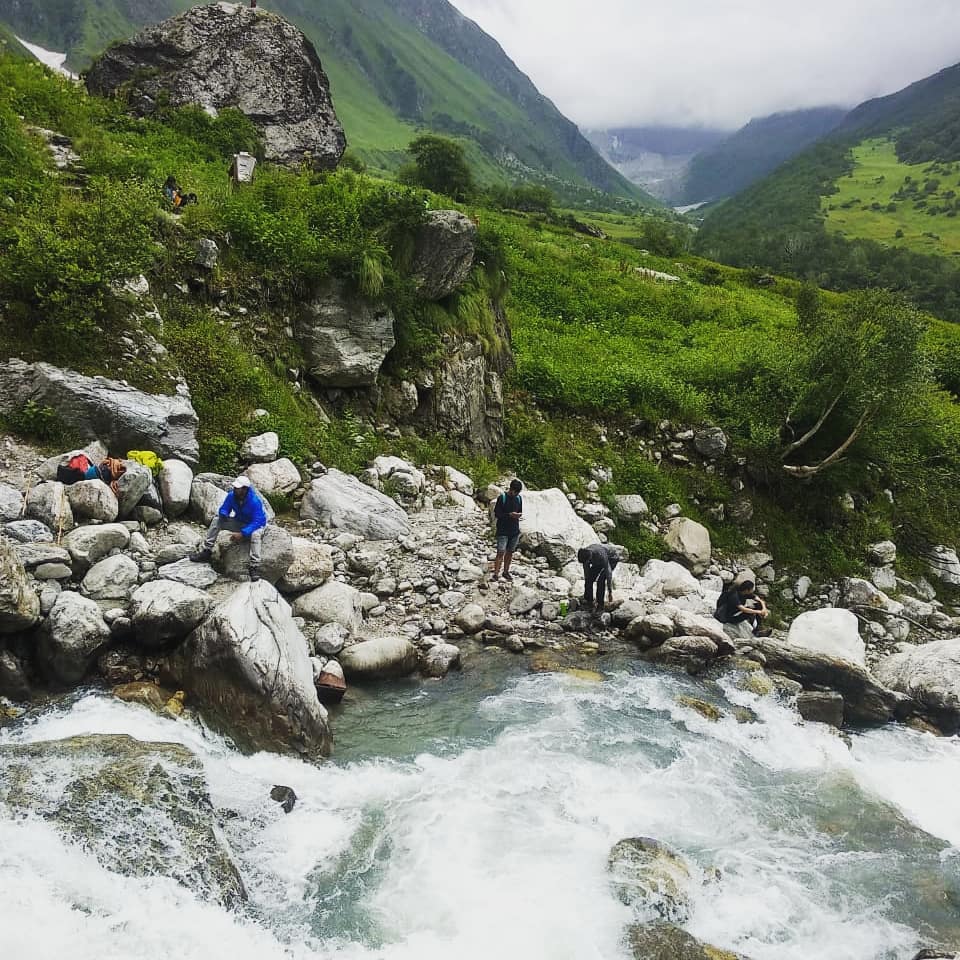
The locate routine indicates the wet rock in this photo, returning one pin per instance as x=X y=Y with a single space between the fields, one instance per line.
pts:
x=552 y=529
x=233 y=559
x=650 y=877
x=689 y=542
x=382 y=658
x=830 y=631
x=821 y=707
x=93 y=500
x=146 y=693
x=19 y=604
x=112 y=578
x=440 y=660
x=123 y=664
x=142 y=809
x=691 y=653
x=48 y=503
x=285 y=796
x=163 y=610
x=262 y=448
x=71 y=638
x=334 y=602
x=312 y=566
x=666 y=941
x=706 y=710
x=342 y=502
x=249 y=668
x=175 y=482
x=445 y=245
x=87 y=545
x=28 y=531
x=279 y=478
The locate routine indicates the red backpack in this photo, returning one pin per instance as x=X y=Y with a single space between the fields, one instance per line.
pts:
x=79 y=462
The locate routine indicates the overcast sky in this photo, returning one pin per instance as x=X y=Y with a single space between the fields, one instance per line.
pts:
x=717 y=62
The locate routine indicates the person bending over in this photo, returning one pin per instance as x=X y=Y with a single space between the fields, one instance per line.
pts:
x=241 y=513
x=509 y=512
x=599 y=561
x=741 y=611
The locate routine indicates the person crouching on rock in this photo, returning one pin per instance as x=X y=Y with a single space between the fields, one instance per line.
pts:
x=599 y=561
x=242 y=514
x=509 y=512
x=742 y=612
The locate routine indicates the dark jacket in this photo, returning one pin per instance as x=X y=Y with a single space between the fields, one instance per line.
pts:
x=506 y=504
x=729 y=604
x=250 y=513
x=601 y=561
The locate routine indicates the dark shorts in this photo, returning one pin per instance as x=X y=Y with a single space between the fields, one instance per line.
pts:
x=508 y=542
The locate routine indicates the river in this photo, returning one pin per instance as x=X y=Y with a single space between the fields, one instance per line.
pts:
x=472 y=819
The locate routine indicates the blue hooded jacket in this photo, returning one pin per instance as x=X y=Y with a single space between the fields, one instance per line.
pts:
x=250 y=513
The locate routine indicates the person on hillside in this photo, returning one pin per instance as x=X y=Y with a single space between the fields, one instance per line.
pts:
x=242 y=513
x=741 y=611
x=508 y=511
x=599 y=561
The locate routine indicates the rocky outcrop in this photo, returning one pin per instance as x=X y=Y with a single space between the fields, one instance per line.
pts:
x=929 y=674
x=341 y=501
x=95 y=407
x=249 y=667
x=648 y=875
x=163 y=610
x=551 y=529
x=19 y=605
x=228 y=55
x=344 y=337
x=444 y=253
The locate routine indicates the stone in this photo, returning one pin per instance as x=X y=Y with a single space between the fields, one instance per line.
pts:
x=864 y=596
x=200 y=576
x=928 y=674
x=96 y=451
x=630 y=506
x=523 y=600
x=667 y=579
x=661 y=940
x=207 y=255
x=821 y=706
x=330 y=639
x=694 y=625
x=311 y=567
x=11 y=503
x=163 y=610
x=802 y=587
x=882 y=554
x=403 y=477
x=229 y=55
x=233 y=559
x=470 y=618
x=647 y=875
x=87 y=545
x=53 y=571
x=656 y=628
x=279 y=478
x=98 y=408
x=48 y=503
x=444 y=250
x=944 y=565
x=263 y=448
x=334 y=602
x=19 y=604
x=113 y=790
x=440 y=660
x=710 y=442
x=285 y=796
x=112 y=578
x=453 y=479
x=93 y=500
x=689 y=542
x=249 y=667
x=379 y=659
x=342 y=502
x=344 y=337
x=829 y=631
x=627 y=612
x=28 y=531
x=691 y=653
x=401 y=398
x=175 y=482
x=884 y=579
x=71 y=638
x=552 y=529
x=133 y=486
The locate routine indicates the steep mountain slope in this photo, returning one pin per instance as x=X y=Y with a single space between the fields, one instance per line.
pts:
x=394 y=67
x=754 y=150
x=792 y=220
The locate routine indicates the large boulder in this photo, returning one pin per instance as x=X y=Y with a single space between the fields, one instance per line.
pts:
x=71 y=638
x=164 y=610
x=48 y=503
x=689 y=542
x=341 y=501
x=87 y=545
x=233 y=559
x=142 y=809
x=95 y=407
x=444 y=250
x=228 y=55
x=334 y=602
x=344 y=337
x=175 y=482
x=630 y=506
x=379 y=659
x=280 y=477
x=19 y=605
x=93 y=500
x=929 y=674
x=312 y=566
x=28 y=531
x=249 y=667
x=831 y=632
x=551 y=529
x=112 y=578
x=263 y=448
x=648 y=876
x=710 y=442
x=11 y=503
x=666 y=578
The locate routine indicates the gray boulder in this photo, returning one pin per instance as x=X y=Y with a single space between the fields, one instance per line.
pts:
x=112 y=578
x=175 y=483
x=95 y=407
x=439 y=660
x=710 y=442
x=11 y=503
x=228 y=55
x=249 y=667
x=821 y=706
x=334 y=602
x=551 y=529
x=341 y=501
x=929 y=674
x=48 y=503
x=281 y=477
x=87 y=545
x=945 y=565
x=71 y=638
x=196 y=575
x=93 y=500
x=882 y=554
x=689 y=542
x=262 y=448
x=132 y=487
x=28 y=531
x=312 y=566
x=344 y=337
x=34 y=555
x=630 y=506
x=163 y=610
x=444 y=252
x=19 y=604
x=470 y=619
x=233 y=559
x=379 y=659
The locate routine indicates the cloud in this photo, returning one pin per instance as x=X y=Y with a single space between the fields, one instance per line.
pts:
x=609 y=63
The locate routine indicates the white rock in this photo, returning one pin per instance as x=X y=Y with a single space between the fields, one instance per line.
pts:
x=668 y=579
x=132 y=487
x=883 y=578
x=112 y=578
x=342 y=502
x=455 y=480
x=19 y=605
x=196 y=575
x=802 y=587
x=470 y=618
x=330 y=639
x=260 y=449
x=552 y=529
x=929 y=674
x=175 y=482
x=523 y=600
x=334 y=602
x=163 y=610
x=11 y=503
x=440 y=660
x=281 y=477
x=863 y=594
x=882 y=554
x=87 y=545
x=312 y=566
x=93 y=500
x=695 y=625
x=829 y=631
x=630 y=506
x=689 y=541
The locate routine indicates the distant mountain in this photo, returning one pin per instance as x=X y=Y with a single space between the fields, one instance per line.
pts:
x=396 y=67
x=655 y=157
x=754 y=150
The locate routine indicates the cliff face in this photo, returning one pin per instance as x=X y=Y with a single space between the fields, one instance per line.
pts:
x=226 y=55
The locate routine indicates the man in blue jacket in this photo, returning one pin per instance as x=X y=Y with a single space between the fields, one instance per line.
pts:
x=243 y=515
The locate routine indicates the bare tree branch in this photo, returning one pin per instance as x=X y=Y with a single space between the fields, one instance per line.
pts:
x=806 y=472
x=813 y=431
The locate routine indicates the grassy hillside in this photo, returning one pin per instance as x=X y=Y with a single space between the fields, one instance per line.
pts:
x=389 y=79
x=602 y=352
